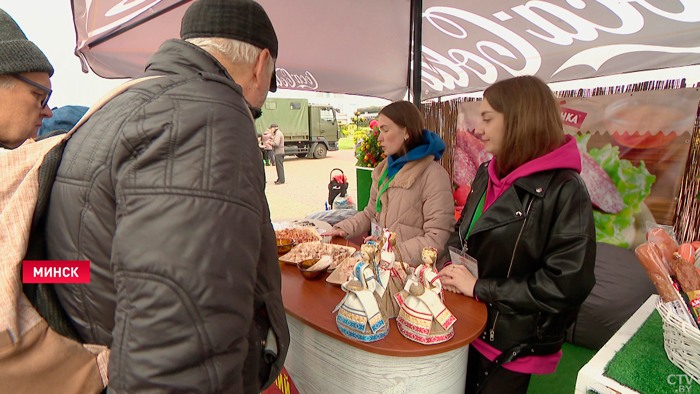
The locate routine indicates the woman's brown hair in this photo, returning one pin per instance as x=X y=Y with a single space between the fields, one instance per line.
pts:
x=407 y=115
x=532 y=120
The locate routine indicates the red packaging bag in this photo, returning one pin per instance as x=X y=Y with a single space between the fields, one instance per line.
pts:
x=283 y=384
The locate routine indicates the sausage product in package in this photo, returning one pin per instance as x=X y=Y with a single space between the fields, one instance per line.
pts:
x=689 y=280
x=687 y=251
x=666 y=243
x=651 y=257
x=687 y=276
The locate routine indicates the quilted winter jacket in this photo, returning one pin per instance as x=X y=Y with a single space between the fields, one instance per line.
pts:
x=535 y=248
x=417 y=205
x=162 y=190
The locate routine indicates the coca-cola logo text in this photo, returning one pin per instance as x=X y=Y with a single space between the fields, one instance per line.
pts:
x=503 y=48
x=287 y=80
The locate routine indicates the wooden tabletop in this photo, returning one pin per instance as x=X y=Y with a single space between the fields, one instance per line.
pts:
x=312 y=302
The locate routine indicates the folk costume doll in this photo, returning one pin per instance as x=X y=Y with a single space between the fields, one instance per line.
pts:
x=423 y=316
x=358 y=315
x=391 y=277
x=369 y=255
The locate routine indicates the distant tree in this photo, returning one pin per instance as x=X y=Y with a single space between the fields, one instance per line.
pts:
x=371 y=110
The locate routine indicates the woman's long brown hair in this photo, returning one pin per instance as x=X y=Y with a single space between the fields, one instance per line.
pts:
x=407 y=115
x=532 y=124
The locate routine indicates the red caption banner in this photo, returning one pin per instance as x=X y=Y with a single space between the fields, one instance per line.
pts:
x=69 y=271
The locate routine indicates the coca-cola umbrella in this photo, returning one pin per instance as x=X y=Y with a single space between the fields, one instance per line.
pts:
x=318 y=41
x=364 y=46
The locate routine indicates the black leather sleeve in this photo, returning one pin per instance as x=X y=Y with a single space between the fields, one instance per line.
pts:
x=566 y=275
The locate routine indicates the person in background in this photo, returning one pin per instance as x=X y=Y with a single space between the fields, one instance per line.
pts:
x=528 y=222
x=261 y=147
x=411 y=193
x=25 y=85
x=64 y=118
x=277 y=144
x=163 y=191
x=268 y=157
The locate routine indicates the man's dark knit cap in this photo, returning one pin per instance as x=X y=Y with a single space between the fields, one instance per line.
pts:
x=17 y=54
x=242 y=20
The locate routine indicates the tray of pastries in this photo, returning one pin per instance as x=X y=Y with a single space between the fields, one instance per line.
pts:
x=342 y=272
x=300 y=234
x=316 y=250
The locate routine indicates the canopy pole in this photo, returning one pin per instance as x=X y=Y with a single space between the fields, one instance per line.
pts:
x=417 y=22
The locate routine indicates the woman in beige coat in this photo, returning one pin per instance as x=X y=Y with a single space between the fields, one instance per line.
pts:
x=411 y=193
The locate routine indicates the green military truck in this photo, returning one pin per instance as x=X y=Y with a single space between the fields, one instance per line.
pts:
x=309 y=130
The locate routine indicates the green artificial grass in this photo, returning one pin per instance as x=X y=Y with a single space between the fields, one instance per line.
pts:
x=643 y=366
x=564 y=380
x=346 y=143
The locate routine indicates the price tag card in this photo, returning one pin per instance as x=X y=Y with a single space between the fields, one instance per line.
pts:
x=376 y=230
x=464 y=259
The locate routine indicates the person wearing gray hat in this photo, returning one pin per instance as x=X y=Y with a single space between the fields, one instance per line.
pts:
x=25 y=85
x=163 y=191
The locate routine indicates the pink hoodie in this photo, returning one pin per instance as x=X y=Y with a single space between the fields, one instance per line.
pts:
x=566 y=156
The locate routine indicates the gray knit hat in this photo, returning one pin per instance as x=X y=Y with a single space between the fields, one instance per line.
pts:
x=17 y=54
x=242 y=20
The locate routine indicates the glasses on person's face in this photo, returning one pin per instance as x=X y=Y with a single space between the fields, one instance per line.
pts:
x=43 y=88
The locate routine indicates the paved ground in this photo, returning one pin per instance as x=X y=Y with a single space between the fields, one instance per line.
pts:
x=306 y=187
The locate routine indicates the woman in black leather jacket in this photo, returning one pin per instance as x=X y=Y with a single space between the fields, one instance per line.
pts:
x=529 y=224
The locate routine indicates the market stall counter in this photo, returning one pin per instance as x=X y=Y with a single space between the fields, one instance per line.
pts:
x=322 y=360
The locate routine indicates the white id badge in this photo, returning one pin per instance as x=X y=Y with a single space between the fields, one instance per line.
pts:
x=376 y=230
x=465 y=260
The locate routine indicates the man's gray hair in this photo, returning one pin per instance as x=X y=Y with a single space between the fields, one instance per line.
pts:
x=7 y=82
x=238 y=52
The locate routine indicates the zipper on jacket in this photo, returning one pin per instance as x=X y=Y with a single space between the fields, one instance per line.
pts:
x=512 y=259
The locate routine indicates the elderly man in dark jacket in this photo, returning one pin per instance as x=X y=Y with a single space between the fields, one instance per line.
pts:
x=162 y=190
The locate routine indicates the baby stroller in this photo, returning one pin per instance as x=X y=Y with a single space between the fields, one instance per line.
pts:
x=338 y=187
x=339 y=206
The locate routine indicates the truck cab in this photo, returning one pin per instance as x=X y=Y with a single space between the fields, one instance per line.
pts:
x=324 y=130
x=309 y=130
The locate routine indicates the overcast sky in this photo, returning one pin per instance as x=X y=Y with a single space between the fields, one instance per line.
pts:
x=49 y=24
